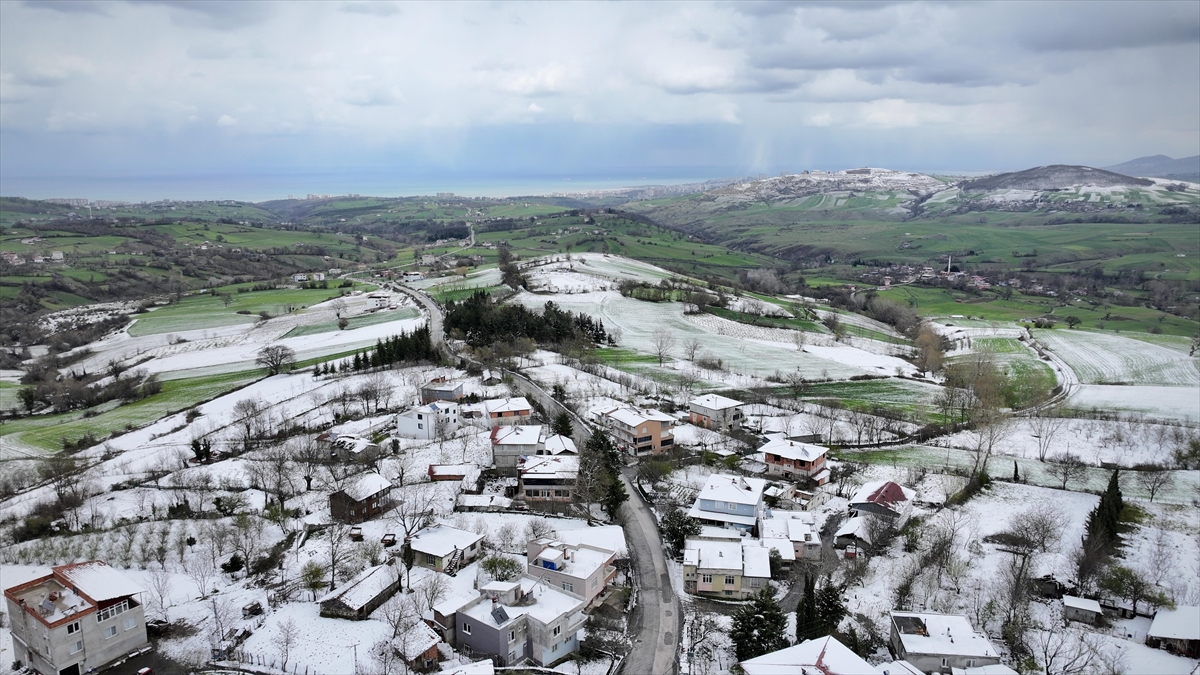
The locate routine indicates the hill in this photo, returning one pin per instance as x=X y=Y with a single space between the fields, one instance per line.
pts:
x=1054 y=177
x=1161 y=166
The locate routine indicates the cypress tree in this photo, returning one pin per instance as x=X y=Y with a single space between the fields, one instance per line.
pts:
x=831 y=609
x=807 y=623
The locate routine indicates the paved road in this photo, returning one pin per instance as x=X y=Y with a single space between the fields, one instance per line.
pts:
x=435 y=312
x=655 y=628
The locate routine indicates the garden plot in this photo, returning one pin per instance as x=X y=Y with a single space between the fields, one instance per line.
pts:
x=1099 y=358
x=740 y=347
x=1168 y=403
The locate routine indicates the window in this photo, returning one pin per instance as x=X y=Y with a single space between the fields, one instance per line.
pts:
x=512 y=636
x=729 y=580
x=110 y=612
x=351 y=511
x=77 y=647
x=945 y=663
x=594 y=582
x=109 y=632
x=130 y=623
x=970 y=663
x=466 y=628
x=731 y=506
x=755 y=583
x=706 y=578
x=72 y=628
x=557 y=630
x=568 y=587
x=420 y=426
x=554 y=648
x=430 y=559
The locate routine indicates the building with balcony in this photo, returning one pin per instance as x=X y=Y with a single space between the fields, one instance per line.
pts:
x=637 y=431
x=793 y=459
x=366 y=496
x=519 y=622
x=547 y=478
x=712 y=411
x=725 y=568
x=582 y=570
x=445 y=549
x=77 y=618
x=730 y=501
x=428 y=421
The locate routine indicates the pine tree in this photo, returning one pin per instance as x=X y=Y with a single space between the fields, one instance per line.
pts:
x=562 y=425
x=807 y=624
x=759 y=627
x=831 y=609
x=614 y=495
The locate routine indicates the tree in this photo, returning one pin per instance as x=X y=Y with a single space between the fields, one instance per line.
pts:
x=276 y=358
x=690 y=348
x=312 y=575
x=664 y=342
x=249 y=413
x=562 y=425
x=676 y=528
x=759 y=627
x=831 y=609
x=501 y=567
x=1045 y=423
x=1066 y=468
x=929 y=350
x=285 y=639
x=200 y=569
x=160 y=589
x=1154 y=480
x=339 y=535
x=1127 y=584
x=614 y=495
x=65 y=474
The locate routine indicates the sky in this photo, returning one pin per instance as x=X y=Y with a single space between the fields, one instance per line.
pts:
x=253 y=100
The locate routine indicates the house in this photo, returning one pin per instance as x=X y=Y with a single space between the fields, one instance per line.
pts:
x=793 y=459
x=1176 y=630
x=411 y=276
x=797 y=528
x=509 y=444
x=883 y=498
x=637 y=431
x=507 y=411
x=517 y=622
x=428 y=259
x=445 y=549
x=712 y=411
x=363 y=594
x=558 y=445
x=351 y=448
x=547 y=478
x=429 y=421
x=378 y=300
x=440 y=390
x=730 y=501
x=77 y=618
x=299 y=277
x=823 y=655
x=724 y=568
x=852 y=532
x=366 y=496
x=937 y=643
x=316 y=276
x=1081 y=609
x=581 y=570
x=418 y=646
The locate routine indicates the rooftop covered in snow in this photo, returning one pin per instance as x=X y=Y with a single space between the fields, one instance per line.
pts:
x=737 y=489
x=945 y=634
x=714 y=402
x=793 y=450
x=441 y=540
x=825 y=656
x=1181 y=623
x=367 y=485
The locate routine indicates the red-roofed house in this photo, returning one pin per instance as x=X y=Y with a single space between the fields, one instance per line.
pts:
x=883 y=498
x=78 y=617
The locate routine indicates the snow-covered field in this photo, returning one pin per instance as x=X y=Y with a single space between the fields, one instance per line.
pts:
x=1175 y=403
x=1101 y=358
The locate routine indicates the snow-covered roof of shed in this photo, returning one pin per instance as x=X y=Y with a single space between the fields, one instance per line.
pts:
x=558 y=444
x=737 y=489
x=715 y=402
x=823 y=655
x=756 y=562
x=1082 y=603
x=97 y=580
x=856 y=527
x=441 y=540
x=793 y=449
x=363 y=588
x=782 y=546
x=1181 y=623
x=416 y=640
x=945 y=634
x=369 y=483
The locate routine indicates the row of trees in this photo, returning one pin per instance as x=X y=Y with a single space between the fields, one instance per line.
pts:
x=481 y=321
x=403 y=348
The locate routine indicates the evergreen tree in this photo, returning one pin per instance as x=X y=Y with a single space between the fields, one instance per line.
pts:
x=614 y=495
x=676 y=528
x=759 y=627
x=562 y=425
x=357 y=361
x=831 y=609
x=808 y=626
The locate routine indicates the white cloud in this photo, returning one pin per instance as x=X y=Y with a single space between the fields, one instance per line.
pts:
x=535 y=108
x=226 y=121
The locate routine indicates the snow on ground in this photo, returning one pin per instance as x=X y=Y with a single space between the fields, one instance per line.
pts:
x=1168 y=403
x=478 y=279
x=1101 y=358
x=1124 y=443
x=756 y=307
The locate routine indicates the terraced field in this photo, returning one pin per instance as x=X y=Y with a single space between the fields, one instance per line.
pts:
x=1099 y=358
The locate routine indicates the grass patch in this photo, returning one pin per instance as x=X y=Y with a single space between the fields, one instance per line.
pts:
x=196 y=312
x=356 y=322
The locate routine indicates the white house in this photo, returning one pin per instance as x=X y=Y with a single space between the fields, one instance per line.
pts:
x=584 y=570
x=445 y=549
x=713 y=411
x=510 y=443
x=428 y=421
x=725 y=568
x=299 y=277
x=795 y=530
x=730 y=501
x=940 y=642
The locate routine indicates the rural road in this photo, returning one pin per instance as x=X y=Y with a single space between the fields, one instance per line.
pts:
x=655 y=629
x=435 y=312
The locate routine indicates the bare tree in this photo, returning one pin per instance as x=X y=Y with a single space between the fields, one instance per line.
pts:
x=1063 y=650
x=664 y=342
x=276 y=358
x=307 y=458
x=339 y=543
x=690 y=348
x=1045 y=423
x=1066 y=468
x=201 y=570
x=285 y=639
x=223 y=616
x=1154 y=480
x=249 y=413
x=160 y=589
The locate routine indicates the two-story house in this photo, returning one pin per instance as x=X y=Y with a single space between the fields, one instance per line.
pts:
x=428 y=421
x=511 y=443
x=498 y=411
x=730 y=501
x=713 y=411
x=366 y=496
x=940 y=643
x=883 y=498
x=793 y=459
x=547 y=478
x=725 y=568
x=445 y=549
x=637 y=431
x=441 y=389
x=521 y=621
x=582 y=570
x=77 y=618
x=797 y=528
